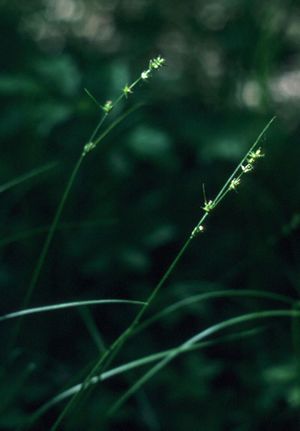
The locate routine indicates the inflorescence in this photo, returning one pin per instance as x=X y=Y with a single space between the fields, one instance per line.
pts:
x=246 y=166
x=154 y=64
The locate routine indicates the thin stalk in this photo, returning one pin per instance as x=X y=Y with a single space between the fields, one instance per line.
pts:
x=92 y=328
x=46 y=245
x=44 y=252
x=27 y=176
x=98 y=127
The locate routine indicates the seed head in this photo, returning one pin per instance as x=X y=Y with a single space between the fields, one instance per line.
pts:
x=88 y=147
x=234 y=183
x=156 y=63
x=247 y=168
x=197 y=230
x=108 y=106
x=127 y=90
x=208 y=206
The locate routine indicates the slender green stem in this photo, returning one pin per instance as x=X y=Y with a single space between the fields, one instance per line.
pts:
x=45 y=248
x=98 y=127
x=20 y=179
x=115 y=123
x=50 y=235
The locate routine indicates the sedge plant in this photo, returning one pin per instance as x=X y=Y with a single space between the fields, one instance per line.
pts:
x=95 y=139
x=98 y=372
x=245 y=166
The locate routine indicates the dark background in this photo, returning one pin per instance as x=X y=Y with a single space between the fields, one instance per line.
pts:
x=230 y=66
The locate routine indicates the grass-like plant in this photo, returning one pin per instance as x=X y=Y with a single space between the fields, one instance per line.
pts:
x=100 y=370
x=245 y=166
x=95 y=139
x=97 y=136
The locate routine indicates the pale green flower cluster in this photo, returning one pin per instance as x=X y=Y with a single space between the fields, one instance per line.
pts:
x=154 y=64
x=246 y=166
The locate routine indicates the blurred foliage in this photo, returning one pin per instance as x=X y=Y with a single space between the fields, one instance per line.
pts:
x=231 y=65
